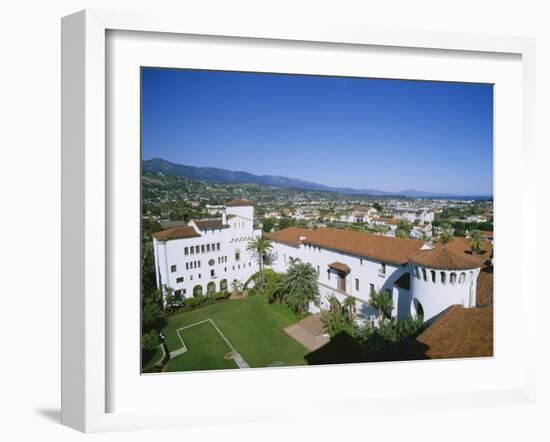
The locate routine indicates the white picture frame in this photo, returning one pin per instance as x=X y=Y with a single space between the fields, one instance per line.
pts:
x=85 y=211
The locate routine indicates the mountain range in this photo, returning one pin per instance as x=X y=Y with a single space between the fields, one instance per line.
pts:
x=223 y=176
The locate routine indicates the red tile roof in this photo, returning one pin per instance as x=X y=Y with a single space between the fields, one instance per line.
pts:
x=460 y=333
x=443 y=258
x=289 y=236
x=340 y=266
x=386 y=220
x=462 y=246
x=484 y=289
x=176 y=233
x=238 y=203
x=215 y=223
x=380 y=248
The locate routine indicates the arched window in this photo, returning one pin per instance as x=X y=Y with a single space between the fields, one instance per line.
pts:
x=197 y=290
x=416 y=272
x=211 y=287
x=443 y=277
x=424 y=274
x=453 y=278
x=462 y=277
x=433 y=275
x=471 y=276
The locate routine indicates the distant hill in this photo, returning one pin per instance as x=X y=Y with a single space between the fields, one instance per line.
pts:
x=221 y=176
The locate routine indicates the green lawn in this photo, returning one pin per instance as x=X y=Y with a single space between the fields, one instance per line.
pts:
x=205 y=348
x=252 y=325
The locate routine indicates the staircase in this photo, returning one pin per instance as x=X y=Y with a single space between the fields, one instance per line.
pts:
x=308 y=333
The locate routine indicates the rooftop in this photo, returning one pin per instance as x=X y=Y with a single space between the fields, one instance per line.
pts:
x=484 y=289
x=387 y=220
x=214 y=223
x=289 y=236
x=443 y=258
x=340 y=266
x=381 y=248
x=460 y=333
x=462 y=246
x=176 y=233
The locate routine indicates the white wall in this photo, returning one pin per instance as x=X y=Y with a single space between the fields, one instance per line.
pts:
x=436 y=297
x=365 y=270
x=246 y=212
x=232 y=240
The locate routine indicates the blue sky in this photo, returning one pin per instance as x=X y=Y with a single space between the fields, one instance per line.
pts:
x=350 y=132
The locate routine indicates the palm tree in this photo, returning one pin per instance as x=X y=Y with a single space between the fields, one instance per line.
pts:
x=340 y=318
x=259 y=246
x=446 y=234
x=349 y=307
x=476 y=240
x=168 y=297
x=403 y=230
x=383 y=302
x=299 y=286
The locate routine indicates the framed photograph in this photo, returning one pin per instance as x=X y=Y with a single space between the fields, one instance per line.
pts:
x=253 y=213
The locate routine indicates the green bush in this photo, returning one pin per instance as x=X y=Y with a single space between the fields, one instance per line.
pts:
x=395 y=330
x=271 y=284
x=335 y=323
x=217 y=296
x=195 y=301
x=150 y=341
x=202 y=300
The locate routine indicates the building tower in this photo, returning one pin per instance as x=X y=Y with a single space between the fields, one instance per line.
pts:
x=440 y=278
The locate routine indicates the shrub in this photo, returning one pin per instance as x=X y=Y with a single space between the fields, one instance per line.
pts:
x=195 y=301
x=335 y=323
x=217 y=296
x=150 y=341
x=394 y=330
x=383 y=302
x=272 y=280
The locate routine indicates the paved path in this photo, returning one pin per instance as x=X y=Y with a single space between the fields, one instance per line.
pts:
x=309 y=332
x=178 y=352
x=241 y=363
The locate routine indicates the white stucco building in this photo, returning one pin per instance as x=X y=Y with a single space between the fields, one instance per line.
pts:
x=361 y=214
x=421 y=279
x=207 y=255
x=414 y=215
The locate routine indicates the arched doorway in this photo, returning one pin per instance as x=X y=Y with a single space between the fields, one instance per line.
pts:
x=197 y=290
x=211 y=287
x=417 y=307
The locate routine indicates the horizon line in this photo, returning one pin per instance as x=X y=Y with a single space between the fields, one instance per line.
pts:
x=388 y=192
